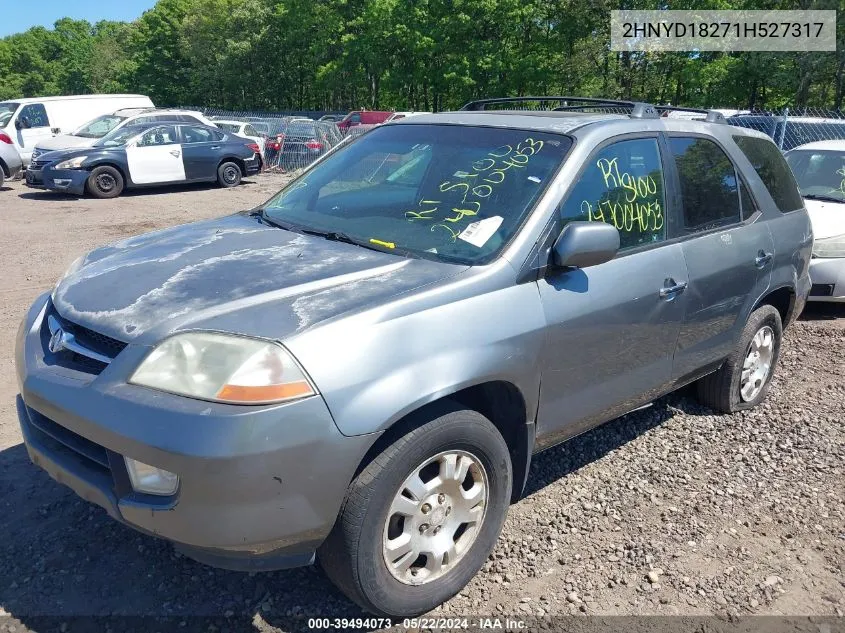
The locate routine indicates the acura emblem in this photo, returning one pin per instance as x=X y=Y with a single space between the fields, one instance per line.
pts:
x=57 y=341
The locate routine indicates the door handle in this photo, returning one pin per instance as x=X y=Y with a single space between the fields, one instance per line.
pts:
x=671 y=288
x=762 y=259
x=175 y=152
x=214 y=147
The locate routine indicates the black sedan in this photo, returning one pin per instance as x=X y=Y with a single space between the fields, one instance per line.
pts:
x=147 y=155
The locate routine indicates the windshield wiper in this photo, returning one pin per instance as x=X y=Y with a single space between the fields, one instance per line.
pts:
x=258 y=212
x=816 y=196
x=373 y=245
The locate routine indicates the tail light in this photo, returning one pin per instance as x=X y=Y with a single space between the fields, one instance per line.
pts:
x=254 y=147
x=5 y=138
x=313 y=144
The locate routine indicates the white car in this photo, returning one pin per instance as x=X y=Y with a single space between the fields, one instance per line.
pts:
x=244 y=129
x=90 y=132
x=404 y=115
x=28 y=122
x=819 y=168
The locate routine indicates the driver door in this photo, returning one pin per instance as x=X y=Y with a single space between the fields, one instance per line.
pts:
x=156 y=157
x=33 y=126
x=612 y=328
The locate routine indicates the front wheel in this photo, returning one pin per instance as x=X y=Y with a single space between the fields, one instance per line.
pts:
x=229 y=175
x=743 y=381
x=105 y=182
x=420 y=520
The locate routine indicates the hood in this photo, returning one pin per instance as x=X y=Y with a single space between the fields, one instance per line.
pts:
x=231 y=274
x=64 y=141
x=827 y=218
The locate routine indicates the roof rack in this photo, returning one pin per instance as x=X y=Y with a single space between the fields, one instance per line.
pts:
x=636 y=109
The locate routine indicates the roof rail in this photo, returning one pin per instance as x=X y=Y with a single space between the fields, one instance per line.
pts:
x=711 y=116
x=563 y=101
x=637 y=109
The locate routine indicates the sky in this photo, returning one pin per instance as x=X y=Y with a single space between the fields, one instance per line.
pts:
x=20 y=15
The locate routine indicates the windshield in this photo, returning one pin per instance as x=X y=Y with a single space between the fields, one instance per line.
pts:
x=820 y=173
x=118 y=137
x=99 y=127
x=228 y=127
x=437 y=191
x=6 y=112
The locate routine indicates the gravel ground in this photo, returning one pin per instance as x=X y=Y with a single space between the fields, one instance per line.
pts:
x=670 y=510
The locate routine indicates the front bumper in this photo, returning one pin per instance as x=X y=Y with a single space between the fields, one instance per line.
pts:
x=260 y=487
x=33 y=178
x=828 y=277
x=66 y=180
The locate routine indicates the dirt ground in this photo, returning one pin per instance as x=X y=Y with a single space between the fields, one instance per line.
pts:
x=670 y=510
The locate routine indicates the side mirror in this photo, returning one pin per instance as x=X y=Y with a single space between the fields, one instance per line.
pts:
x=583 y=244
x=22 y=123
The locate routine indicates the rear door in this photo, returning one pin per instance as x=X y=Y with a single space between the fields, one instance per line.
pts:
x=727 y=248
x=156 y=157
x=612 y=328
x=202 y=149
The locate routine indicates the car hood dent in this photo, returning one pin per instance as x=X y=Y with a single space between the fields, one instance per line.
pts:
x=827 y=218
x=231 y=274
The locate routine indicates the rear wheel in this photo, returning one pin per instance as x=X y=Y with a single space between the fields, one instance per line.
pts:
x=229 y=174
x=2 y=177
x=743 y=381
x=420 y=520
x=105 y=182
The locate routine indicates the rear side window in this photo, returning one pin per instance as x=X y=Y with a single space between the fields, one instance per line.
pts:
x=709 y=184
x=192 y=134
x=770 y=165
x=623 y=186
x=35 y=114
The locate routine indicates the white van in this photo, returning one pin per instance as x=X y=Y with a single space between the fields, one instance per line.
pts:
x=28 y=121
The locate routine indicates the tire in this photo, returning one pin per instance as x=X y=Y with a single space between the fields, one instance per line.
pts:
x=723 y=389
x=105 y=182
x=229 y=174
x=2 y=177
x=354 y=557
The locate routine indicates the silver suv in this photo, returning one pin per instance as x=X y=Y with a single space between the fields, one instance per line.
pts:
x=360 y=370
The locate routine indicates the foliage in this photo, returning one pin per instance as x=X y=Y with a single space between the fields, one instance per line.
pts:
x=403 y=54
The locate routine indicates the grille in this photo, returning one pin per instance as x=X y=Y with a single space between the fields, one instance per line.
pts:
x=95 y=341
x=78 y=444
x=85 y=338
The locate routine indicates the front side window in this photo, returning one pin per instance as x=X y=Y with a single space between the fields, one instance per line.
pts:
x=165 y=135
x=99 y=127
x=820 y=173
x=622 y=185
x=709 y=184
x=772 y=169
x=434 y=191
x=35 y=114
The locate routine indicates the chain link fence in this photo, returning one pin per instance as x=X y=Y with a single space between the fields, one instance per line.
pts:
x=790 y=128
x=292 y=140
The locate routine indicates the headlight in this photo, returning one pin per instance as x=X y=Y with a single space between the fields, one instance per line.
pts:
x=223 y=368
x=71 y=163
x=830 y=247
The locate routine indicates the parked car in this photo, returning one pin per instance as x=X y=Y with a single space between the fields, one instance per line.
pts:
x=304 y=142
x=95 y=129
x=363 y=117
x=332 y=118
x=243 y=129
x=149 y=154
x=402 y=115
x=361 y=368
x=10 y=160
x=820 y=170
x=31 y=121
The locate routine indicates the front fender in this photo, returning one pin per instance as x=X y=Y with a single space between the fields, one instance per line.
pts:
x=373 y=371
